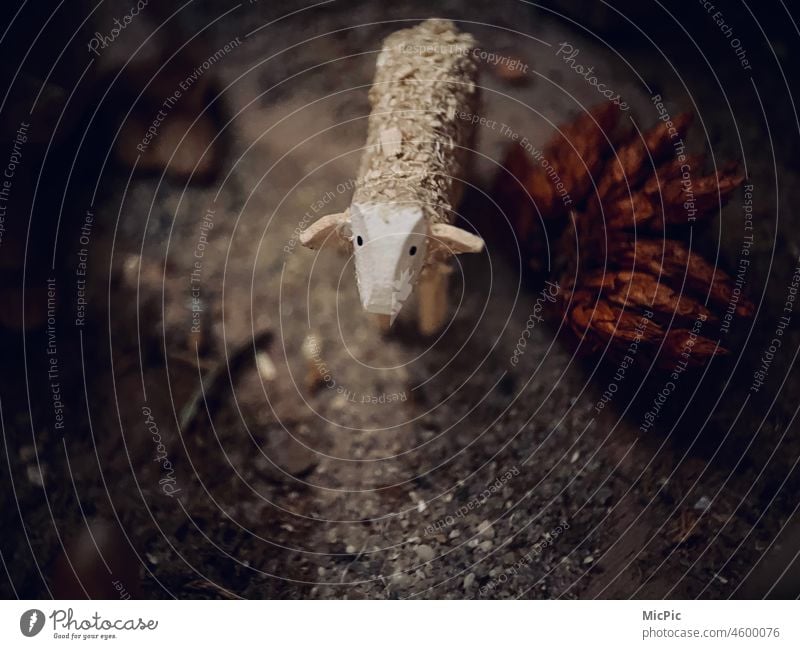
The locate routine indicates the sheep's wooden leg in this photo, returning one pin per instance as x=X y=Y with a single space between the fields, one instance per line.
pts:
x=433 y=306
x=384 y=322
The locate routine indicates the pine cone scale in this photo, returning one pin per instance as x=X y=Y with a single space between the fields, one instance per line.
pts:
x=622 y=252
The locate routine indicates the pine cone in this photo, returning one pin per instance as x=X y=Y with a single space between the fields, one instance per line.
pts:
x=626 y=273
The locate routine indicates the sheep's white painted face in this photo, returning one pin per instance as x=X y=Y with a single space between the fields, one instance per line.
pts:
x=389 y=244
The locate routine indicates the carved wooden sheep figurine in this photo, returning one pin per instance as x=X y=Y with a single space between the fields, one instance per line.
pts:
x=398 y=224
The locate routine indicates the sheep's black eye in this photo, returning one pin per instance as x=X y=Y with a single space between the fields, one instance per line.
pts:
x=359 y=240
x=412 y=250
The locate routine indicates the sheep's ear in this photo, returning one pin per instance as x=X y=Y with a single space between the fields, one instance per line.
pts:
x=334 y=227
x=449 y=240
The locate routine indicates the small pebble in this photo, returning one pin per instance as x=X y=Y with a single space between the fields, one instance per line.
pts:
x=400 y=579
x=289 y=455
x=265 y=366
x=469 y=580
x=702 y=504
x=511 y=70
x=425 y=552
x=27 y=453
x=35 y=475
x=486 y=529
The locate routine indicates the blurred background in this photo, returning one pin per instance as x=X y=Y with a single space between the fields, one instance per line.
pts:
x=192 y=405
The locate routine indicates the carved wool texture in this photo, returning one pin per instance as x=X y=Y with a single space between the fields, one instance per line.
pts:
x=422 y=98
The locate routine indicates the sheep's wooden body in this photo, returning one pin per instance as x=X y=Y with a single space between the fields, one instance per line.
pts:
x=420 y=127
x=419 y=139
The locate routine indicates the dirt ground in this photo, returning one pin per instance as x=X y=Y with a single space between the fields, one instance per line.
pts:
x=308 y=454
